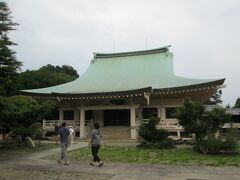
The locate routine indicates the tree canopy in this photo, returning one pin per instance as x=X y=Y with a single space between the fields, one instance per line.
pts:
x=23 y=111
x=237 y=103
x=190 y=116
x=61 y=69
x=193 y=117
x=46 y=76
x=17 y=110
x=9 y=65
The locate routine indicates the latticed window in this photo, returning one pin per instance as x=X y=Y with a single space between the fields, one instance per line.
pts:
x=68 y=115
x=149 y=112
x=88 y=114
x=171 y=112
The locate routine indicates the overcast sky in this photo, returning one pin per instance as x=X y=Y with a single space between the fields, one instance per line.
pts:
x=204 y=34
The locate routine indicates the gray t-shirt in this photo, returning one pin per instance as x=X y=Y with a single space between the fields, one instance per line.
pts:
x=96 y=137
x=64 y=133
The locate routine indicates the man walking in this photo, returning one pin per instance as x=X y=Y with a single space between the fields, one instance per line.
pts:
x=63 y=132
x=95 y=141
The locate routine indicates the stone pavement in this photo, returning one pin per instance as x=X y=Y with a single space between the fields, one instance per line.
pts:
x=118 y=171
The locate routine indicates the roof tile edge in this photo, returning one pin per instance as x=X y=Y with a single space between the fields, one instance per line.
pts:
x=131 y=53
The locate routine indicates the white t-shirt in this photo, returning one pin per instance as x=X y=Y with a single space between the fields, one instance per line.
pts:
x=71 y=130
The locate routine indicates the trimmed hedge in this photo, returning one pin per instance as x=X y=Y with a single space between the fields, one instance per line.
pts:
x=213 y=145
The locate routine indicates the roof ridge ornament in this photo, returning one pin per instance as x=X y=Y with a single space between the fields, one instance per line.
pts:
x=132 y=53
x=93 y=60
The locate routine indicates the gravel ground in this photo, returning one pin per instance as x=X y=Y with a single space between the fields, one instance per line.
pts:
x=26 y=174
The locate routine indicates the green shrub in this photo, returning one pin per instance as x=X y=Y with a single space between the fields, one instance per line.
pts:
x=145 y=145
x=213 y=145
x=193 y=117
x=156 y=138
x=230 y=145
x=38 y=132
x=22 y=137
x=36 y=125
x=24 y=132
x=166 y=143
x=150 y=133
x=162 y=135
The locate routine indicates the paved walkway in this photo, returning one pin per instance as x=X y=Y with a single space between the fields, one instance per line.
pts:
x=114 y=171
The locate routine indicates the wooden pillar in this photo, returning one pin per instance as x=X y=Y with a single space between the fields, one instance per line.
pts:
x=133 y=123
x=159 y=114
x=178 y=133
x=61 y=113
x=76 y=117
x=163 y=113
x=82 y=123
x=139 y=115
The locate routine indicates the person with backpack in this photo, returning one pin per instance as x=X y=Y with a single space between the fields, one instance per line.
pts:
x=95 y=142
x=63 y=133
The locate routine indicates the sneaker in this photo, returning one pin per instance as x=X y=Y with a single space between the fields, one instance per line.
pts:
x=59 y=161
x=100 y=164
x=92 y=164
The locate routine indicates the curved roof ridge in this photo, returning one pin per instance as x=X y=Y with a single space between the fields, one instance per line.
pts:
x=132 y=53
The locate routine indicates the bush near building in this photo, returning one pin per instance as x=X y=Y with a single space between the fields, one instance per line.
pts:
x=154 y=137
x=205 y=126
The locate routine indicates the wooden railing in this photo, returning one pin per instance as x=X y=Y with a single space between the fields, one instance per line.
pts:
x=173 y=125
x=231 y=125
x=49 y=125
x=170 y=126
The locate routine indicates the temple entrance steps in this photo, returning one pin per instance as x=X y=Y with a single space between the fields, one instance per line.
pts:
x=115 y=132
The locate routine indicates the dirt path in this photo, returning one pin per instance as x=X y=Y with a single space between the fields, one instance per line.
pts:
x=33 y=167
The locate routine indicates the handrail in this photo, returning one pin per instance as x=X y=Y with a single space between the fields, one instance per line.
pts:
x=52 y=124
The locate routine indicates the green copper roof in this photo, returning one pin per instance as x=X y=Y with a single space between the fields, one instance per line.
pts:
x=127 y=71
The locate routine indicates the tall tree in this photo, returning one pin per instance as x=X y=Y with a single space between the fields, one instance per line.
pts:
x=193 y=117
x=190 y=116
x=9 y=65
x=237 y=103
x=23 y=111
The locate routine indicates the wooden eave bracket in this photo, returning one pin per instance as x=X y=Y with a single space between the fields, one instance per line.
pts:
x=147 y=97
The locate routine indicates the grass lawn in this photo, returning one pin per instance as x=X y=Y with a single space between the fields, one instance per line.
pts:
x=185 y=156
